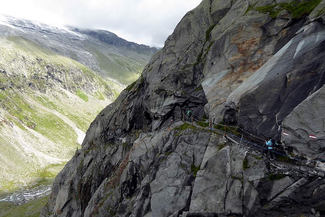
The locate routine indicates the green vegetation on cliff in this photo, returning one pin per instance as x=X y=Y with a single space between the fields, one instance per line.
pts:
x=296 y=8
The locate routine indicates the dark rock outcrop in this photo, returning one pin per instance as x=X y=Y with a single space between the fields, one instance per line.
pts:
x=231 y=61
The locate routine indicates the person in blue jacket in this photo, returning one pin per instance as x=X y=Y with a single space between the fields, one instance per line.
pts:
x=269 y=145
x=189 y=115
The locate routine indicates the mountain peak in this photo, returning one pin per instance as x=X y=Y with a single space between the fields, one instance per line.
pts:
x=112 y=39
x=102 y=51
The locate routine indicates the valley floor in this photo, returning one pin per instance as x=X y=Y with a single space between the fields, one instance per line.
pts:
x=30 y=209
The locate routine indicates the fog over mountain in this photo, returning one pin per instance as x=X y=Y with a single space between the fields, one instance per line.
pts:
x=142 y=21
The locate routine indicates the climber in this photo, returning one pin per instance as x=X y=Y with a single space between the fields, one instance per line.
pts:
x=269 y=145
x=189 y=115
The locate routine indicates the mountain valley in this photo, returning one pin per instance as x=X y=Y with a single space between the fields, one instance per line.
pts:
x=48 y=98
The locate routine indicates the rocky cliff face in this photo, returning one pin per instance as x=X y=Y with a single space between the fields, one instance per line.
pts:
x=304 y=123
x=251 y=64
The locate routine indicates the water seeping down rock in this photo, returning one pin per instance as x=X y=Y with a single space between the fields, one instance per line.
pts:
x=258 y=65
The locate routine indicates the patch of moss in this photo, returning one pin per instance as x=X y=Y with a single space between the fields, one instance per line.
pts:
x=203 y=123
x=92 y=147
x=272 y=10
x=208 y=33
x=183 y=127
x=221 y=146
x=194 y=169
x=231 y=129
x=219 y=127
x=257 y=157
x=199 y=88
x=245 y=164
x=210 y=45
x=82 y=95
x=137 y=133
x=296 y=8
x=125 y=145
x=198 y=58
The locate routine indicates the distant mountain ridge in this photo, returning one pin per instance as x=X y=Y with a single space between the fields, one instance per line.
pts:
x=112 y=39
x=102 y=51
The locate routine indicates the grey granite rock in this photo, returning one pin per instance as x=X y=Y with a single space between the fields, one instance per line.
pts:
x=307 y=119
x=285 y=81
x=238 y=66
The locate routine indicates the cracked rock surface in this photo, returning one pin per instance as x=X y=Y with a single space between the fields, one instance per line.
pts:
x=226 y=61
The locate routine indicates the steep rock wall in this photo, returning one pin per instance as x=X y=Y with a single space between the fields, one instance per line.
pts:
x=305 y=121
x=288 y=78
x=140 y=159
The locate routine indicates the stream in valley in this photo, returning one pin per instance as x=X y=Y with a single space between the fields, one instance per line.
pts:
x=21 y=197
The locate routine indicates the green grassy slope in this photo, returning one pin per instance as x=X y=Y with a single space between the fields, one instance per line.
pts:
x=30 y=209
x=121 y=68
x=47 y=102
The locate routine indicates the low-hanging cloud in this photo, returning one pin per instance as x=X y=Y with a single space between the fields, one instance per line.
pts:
x=143 y=21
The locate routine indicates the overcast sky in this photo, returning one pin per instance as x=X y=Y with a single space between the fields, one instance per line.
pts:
x=142 y=21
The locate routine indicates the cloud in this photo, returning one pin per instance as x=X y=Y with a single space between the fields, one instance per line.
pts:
x=143 y=21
